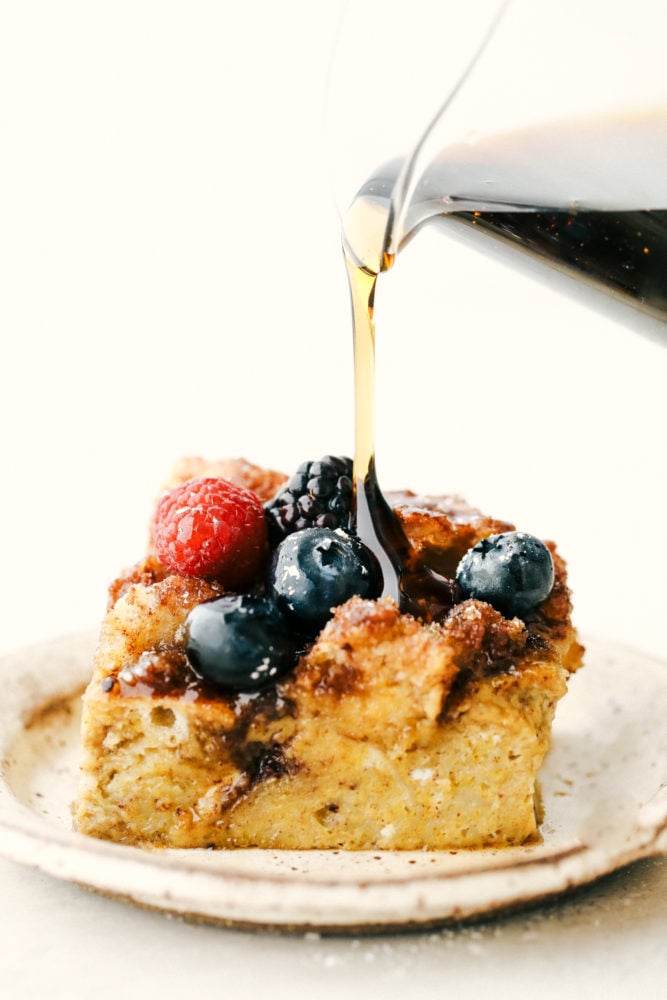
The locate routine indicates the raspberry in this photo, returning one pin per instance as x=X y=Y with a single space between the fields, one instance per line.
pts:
x=211 y=528
x=319 y=495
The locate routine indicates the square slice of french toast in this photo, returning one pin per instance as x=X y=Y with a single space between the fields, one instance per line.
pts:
x=388 y=733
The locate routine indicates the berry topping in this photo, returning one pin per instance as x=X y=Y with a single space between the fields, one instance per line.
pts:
x=240 y=642
x=319 y=495
x=211 y=528
x=513 y=571
x=315 y=570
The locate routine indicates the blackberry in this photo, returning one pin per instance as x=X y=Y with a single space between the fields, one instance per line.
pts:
x=319 y=495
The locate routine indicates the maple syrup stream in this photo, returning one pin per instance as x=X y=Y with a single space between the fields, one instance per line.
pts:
x=415 y=587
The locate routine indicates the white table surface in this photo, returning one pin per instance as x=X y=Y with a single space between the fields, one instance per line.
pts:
x=606 y=941
x=139 y=327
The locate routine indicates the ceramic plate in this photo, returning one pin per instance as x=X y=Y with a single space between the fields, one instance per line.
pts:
x=603 y=788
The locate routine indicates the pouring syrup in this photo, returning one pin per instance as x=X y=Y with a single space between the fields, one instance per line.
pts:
x=617 y=246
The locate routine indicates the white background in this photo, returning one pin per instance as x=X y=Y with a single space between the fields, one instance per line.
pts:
x=172 y=283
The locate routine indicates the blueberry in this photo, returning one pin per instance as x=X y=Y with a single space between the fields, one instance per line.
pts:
x=317 y=569
x=240 y=642
x=513 y=571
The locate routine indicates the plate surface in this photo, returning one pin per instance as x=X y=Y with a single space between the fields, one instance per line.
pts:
x=603 y=787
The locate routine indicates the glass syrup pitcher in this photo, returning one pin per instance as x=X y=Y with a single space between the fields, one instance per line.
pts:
x=558 y=149
x=554 y=149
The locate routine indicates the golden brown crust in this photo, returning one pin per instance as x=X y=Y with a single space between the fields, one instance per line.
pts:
x=483 y=641
x=146 y=618
x=264 y=482
x=552 y=620
x=441 y=529
x=369 y=655
x=148 y=571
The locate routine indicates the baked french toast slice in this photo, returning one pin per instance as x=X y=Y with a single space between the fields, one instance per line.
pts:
x=388 y=733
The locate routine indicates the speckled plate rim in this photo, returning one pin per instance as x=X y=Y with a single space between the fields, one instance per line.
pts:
x=604 y=796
